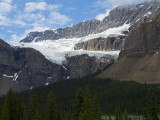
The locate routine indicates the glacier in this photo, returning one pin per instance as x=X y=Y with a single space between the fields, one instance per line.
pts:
x=56 y=50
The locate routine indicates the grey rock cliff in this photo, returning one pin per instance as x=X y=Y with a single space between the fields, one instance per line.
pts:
x=84 y=65
x=102 y=44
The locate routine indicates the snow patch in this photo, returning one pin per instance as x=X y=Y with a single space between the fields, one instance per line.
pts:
x=47 y=84
x=141 y=6
x=4 y=75
x=15 y=77
x=147 y=14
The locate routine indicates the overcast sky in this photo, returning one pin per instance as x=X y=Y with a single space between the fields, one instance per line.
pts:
x=19 y=17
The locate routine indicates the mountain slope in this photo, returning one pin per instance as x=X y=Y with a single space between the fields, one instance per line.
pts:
x=23 y=68
x=140 y=59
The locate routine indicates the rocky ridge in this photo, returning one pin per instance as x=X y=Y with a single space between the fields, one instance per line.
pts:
x=134 y=15
x=102 y=44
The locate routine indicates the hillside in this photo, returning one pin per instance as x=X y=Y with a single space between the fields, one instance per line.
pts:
x=140 y=59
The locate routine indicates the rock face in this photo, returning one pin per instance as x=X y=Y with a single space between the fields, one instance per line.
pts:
x=140 y=59
x=78 y=30
x=143 y=40
x=84 y=65
x=134 y=15
x=140 y=13
x=23 y=68
x=102 y=44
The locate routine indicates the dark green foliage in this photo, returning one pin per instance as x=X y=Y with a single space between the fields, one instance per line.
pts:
x=85 y=108
x=12 y=109
x=33 y=107
x=153 y=108
x=109 y=117
x=59 y=116
x=78 y=105
x=51 y=107
x=125 y=116
x=146 y=114
x=36 y=115
x=130 y=95
x=118 y=113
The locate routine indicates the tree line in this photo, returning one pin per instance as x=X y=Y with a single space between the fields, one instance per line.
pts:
x=84 y=107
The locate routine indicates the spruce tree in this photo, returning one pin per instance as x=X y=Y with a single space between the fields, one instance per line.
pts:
x=36 y=115
x=33 y=106
x=59 y=116
x=146 y=114
x=85 y=107
x=51 y=107
x=153 y=108
x=126 y=115
x=91 y=110
x=109 y=117
x=78 y=105
x=12 y=109
x=118 y=113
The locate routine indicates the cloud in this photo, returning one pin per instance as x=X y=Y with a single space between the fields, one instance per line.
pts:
x=153 y=0
x=30 y=16
x=32 y=6
x=43 y=14
x=57 y=18
x=115 y=3
x=5 y=6
x=40 y=6
x=103 y=15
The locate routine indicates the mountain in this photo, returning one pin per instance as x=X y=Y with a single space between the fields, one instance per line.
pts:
x=135 y=14
x=86 y=48
x=79 y=30
x=25 y=68
x=140 y=59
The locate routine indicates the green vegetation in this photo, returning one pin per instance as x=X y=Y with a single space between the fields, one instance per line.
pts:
x=72 y=100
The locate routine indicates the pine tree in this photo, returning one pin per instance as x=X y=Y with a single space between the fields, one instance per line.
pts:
x=51 y=107
x=33 y=106
x=78 y=105
x=12 y=109
x=126 y=115
x=153 y=108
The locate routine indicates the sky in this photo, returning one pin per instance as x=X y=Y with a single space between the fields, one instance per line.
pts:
x=19 y=17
